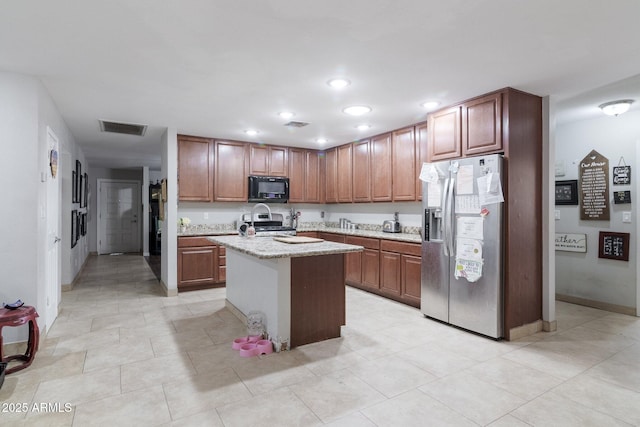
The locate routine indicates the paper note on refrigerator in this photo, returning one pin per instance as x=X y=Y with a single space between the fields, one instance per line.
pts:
x=490 y=189
x=430 y=173
x=470 y=227
x=470 y=249
x=434 y=194
x=468 y=204
x=468 y=269
x=464 y=183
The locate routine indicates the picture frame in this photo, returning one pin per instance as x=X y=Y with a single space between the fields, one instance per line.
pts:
x=567 y=192
x=78 y=180
x=74 y=187
x=74 y=230
x=83 y=224
x=613 y=245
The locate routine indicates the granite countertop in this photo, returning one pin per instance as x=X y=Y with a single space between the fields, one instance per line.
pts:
x=266 y=247
x=227 y=229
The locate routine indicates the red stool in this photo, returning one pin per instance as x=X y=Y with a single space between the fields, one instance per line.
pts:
x=18 y=317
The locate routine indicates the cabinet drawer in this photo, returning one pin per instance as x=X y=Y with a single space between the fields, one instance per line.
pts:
x=332 y=237
x=367 y=242
x=401 y=247
x=191 y=241
x=222 y=250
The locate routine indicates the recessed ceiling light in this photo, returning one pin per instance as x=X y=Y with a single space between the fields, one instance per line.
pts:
x=430 y=105
x=338 y=83
x=357 y=110
x=321 y=140
x=286 y=114
x=363 y=127
x=251 y=132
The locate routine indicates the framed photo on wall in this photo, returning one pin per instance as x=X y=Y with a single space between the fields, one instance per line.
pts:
x=567 y=192
x=74 y=228
x=74 y=187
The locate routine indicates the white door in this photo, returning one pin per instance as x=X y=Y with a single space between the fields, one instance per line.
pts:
x=119 y=213
x=52 y=267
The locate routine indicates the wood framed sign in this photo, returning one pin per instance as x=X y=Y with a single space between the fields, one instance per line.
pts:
x=621 y=197
x=594 y=187
x=571 y=242
x=613 y=245
x=621 y=175
x=567 y=192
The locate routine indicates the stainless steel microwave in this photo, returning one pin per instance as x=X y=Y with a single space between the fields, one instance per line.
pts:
x=268 y=189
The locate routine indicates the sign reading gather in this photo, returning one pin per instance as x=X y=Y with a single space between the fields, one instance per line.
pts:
x=571 y=242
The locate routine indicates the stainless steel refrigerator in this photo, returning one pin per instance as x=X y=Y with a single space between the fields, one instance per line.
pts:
x=462 y=240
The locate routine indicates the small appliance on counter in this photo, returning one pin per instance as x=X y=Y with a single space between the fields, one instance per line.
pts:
x=391 y=226
x=265 y=226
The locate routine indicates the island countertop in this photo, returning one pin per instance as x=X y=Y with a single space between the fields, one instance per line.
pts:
x=266 y=247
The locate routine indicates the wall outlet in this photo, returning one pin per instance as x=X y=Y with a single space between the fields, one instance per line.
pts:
x=626 y=217
x=557 y=214
x=321 y=214
x=206 y=215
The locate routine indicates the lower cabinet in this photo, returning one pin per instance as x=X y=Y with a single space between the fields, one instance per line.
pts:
x=200 y=265
x=400 y=270
x=362 y=267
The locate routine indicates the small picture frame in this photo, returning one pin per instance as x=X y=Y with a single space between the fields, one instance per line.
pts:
x=567 y=192
x=74 y=187
x=74 y=228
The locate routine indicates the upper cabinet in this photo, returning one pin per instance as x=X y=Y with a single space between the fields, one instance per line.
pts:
x=345 y=178
x=445 y=141
x=331 y=175
x=381 y=168
x=195 y=161
x=421 y=154
x=482 y=125
x=268 y=160
x=362 y=171
x=304 y=176
x=231 y=171
x=471 y=128
x=404 y=164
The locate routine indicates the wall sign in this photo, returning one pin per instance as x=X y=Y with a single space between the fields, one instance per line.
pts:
x=613 y=245
x=567 y=192
x=621 y=173
x=571 y=242
x=621 y=197
x=594 y=187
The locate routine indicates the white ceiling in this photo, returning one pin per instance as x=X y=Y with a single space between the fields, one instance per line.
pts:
x=215 y=68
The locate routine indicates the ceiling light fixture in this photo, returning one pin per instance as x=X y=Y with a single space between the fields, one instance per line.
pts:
x=338 y=83
x=321 y=140
x=357 y=110
x=286 y=114
x=363 y=127
x=615 y=108
x=251 y=132
x=430 y=105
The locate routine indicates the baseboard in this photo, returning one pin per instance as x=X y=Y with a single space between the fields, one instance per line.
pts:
x=525 y=330
x=549 y=326
x=168 y=292
x=233 y=309
x=615 y=308
x=66 y=287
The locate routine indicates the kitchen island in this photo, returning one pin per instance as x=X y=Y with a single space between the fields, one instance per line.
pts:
x=300 y=288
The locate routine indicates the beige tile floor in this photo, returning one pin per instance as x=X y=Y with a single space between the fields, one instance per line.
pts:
x=120 y=354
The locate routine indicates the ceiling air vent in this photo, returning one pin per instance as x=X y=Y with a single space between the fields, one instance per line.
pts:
x=296 y=124
x=122 y=128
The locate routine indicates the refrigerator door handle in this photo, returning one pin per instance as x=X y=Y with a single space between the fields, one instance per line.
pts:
x=449 y=217
x=445 y=214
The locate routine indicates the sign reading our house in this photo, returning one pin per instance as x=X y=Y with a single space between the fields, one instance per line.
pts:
x=571 y=242
x=594 y=187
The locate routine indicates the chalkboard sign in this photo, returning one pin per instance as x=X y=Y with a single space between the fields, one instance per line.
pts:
x=614 y=245
x=621 y=175
x=621 y=197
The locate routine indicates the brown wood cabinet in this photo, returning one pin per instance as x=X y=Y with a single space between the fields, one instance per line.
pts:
x=482 y=125
x=331 y=175
x=381 y=159
x=345 y=173
x=403 y=144
x=445 y=134
x=363 y=267
x=304 y=176
x=422 y=152
x=199 y=264
x=269 y=160
x=195 y=161
x=332 y=237
x=362 y=171
x=400 y=270
x=231 y=167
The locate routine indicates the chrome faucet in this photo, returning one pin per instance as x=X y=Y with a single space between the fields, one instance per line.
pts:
x=254 y=209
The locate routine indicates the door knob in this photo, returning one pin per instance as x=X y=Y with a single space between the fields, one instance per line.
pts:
x=56 y=239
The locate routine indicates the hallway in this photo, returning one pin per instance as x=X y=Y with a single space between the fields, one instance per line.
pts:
x=122 y=354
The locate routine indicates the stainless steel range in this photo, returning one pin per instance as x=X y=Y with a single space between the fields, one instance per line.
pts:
x=268 y=224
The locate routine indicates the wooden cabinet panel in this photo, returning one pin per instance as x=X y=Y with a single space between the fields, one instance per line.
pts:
x=421 y=155
x=297 y=175
x=411 y=278
x=371 y=268
x=345 y=175
x=482 y=125
x=404 y=164
x=444 y=129
x=197 y=266
x=308 y=234
x=362 y=171
x=268 y=160
x=313 y=175
x=332 y=237
x=222 y=264
x=353 y=267
x=381 y=187
x=195 y=178
x=390 y=272
x=367 y=242
x=401 y=247
x=331 y=176
x=231 y=166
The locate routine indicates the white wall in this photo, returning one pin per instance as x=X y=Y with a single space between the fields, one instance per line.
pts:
x=169 y=254
x=584 y=275
x=25 y=112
